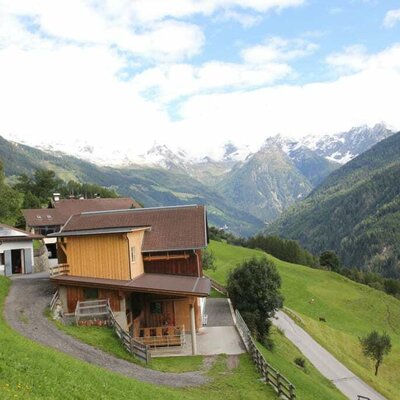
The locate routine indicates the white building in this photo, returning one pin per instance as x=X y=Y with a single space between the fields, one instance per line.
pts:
x=16 y=250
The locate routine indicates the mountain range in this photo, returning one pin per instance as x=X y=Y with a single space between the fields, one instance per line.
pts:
x=355 y=212
x=243 y=190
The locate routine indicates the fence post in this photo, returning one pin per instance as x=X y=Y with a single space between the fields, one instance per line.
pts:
x=278 y=381
x=292 y=392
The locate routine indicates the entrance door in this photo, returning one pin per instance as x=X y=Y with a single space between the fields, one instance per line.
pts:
x=16 y=262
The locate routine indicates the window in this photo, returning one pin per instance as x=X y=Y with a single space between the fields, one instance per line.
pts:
x=133 y=254
x=156 y=307
x=90 y=293
x=1 y=258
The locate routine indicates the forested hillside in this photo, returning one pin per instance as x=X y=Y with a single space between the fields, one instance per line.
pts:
x=355 y=212
x=149 y=186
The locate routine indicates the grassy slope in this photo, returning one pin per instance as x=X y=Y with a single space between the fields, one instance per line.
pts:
x=351 y=310
x=309 y=383
x=32 y=371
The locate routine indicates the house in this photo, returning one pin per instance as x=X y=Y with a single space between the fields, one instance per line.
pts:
x=146 y=261
x=43 y=221
x=16 y=250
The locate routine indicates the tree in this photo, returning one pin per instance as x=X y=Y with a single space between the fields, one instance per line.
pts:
x=10 y=201
x=376 y=346
x=253 y=287
x=330 y=260
x=208 y=260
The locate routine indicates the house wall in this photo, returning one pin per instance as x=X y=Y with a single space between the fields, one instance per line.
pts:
x=99 y=256
x=27 y=246
x=135 y=239
x=76 y=293
x=182 y=313
x=190 y=266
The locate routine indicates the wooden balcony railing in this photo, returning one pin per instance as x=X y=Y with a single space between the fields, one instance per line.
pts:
x=60 y=269
x=161 y=336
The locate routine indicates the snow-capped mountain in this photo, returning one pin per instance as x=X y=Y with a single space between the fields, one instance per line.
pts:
x=344 y=146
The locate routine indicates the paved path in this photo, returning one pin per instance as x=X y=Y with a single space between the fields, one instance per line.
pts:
x=219 y=313
x=28 y=298
x=349 y=384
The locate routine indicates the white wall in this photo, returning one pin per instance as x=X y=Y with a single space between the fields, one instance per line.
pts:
x=20 y=245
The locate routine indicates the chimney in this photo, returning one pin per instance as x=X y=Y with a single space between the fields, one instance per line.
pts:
x=56 y=197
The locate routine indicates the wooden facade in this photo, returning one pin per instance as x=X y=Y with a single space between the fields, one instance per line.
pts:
x=174 y=263
x=75 y=294
x=159 y=310
x=103 y=256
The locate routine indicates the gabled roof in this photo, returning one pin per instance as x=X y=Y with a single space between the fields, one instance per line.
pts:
x=64 y=208
x=9 y=234
x=171 y=228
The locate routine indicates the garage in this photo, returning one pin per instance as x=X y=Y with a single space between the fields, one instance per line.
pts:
x=16 y=251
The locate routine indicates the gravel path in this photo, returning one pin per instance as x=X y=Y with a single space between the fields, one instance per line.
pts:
x=24 y=307
x=348 y=383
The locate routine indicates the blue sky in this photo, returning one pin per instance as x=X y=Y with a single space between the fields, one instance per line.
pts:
x=195 y=73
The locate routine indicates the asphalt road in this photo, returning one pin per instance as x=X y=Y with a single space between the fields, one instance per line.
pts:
x=349 y=384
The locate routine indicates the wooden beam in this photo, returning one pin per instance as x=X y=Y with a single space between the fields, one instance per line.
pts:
x=167 y=257
x=63 y=248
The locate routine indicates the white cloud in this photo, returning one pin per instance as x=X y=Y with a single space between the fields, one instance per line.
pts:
x=356 y=58
x=353 y=58
x=392 y=17
x=153 y=10
x=261 y=65
x=72 y=93
x=278 y=49
x=244 y=19
x=84 y=24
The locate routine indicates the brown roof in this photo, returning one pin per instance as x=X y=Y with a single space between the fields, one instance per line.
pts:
x=64 y=208
x=171 y=228
x=150 y=283
x=9 y=234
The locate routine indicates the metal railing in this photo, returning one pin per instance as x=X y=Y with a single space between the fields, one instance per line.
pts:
x=60 y=269
x=283 y=386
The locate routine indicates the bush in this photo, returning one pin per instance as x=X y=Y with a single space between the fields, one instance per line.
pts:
x=300 y=361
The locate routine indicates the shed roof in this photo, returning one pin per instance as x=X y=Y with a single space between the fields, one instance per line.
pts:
x=150 y=283
x=9 y=234
x=171 y=228
x=64 y=208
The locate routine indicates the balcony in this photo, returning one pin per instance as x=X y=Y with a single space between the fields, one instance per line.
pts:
x=160 y=336
x=60 y=269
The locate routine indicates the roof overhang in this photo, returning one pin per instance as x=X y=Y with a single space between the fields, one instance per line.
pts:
x=145 y=283
x=98 y=231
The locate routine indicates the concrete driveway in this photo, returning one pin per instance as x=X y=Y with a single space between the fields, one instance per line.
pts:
x=348 y=383
x=218 y=337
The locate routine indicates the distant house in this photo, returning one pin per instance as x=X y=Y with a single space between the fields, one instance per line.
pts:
x=16 y=250
x=44 y=221
x=146 y=261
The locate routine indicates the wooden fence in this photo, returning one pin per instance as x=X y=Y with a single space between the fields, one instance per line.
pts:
x=60 y=269
x=91 y=310
x=271 y=376
x=218 y=286
x=139 y=350
x=54 y=300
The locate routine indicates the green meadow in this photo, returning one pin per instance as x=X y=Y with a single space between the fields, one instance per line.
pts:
x=350 y=309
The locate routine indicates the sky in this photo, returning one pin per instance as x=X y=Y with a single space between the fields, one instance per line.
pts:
x=195 y=74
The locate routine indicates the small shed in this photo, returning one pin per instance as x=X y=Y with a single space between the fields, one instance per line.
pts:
x=16 y=250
